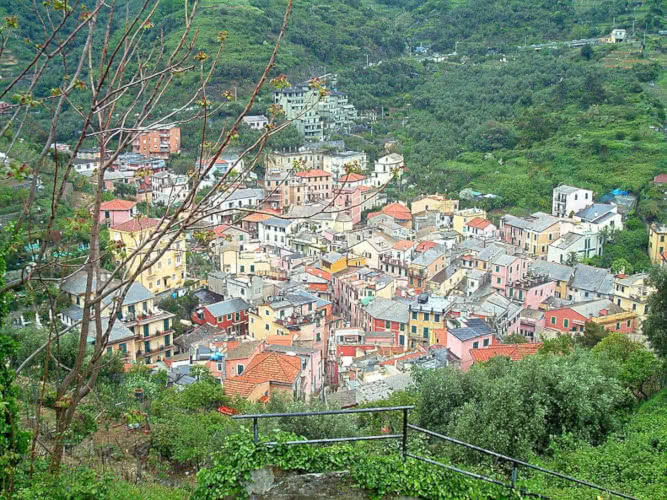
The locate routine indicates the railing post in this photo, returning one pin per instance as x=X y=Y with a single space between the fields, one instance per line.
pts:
x=405 y=434
x=514 y=474
x=255 y=430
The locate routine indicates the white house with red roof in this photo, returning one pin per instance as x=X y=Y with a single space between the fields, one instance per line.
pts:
x=479 y=228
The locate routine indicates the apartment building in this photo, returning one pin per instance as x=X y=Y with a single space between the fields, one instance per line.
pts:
x=159 y=142
x=568 y=200
x=169 y=272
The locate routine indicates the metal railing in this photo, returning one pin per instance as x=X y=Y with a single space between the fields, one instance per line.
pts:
x=403 y=437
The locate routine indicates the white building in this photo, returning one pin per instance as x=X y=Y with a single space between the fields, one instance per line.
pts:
x=222 y=208
x=583 y=244
x=169 y=188
x=275 y=231
x=256 y=122
x=601 y=216
x=335 y=162
x=568 y=200
x=385 y=167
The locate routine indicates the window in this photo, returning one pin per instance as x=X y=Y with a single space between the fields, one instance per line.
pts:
x=109 y=350
x=401 y=339
x=475 y=345
x=566 y=323
x=402 y=327
x=486 y=342
x=387 y=324
x=167 y=340
x=229 y=317
x=414 y=315
x=437 y=318
x=425 y=332
x=122 y=348
x=498 y=280
x=497 y=269
x=266 y=327
x=147 y=345
x=414 y=329
x=239 y=369
x=78 y=301
x=618 y=325
x=221 y=319
x=242 y=268
x=146 y=331
x=426 y=316
x=252 y=268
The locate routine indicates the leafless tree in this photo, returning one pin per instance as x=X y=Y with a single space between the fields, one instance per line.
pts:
x=115 y=80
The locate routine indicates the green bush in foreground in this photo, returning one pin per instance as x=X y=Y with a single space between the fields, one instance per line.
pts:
x=380 y=474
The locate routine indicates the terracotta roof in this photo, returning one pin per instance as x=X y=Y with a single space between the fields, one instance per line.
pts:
x=134 y=225
x=236 y=386
x=513 y=351
x=257 y=217
x=220 y=230
x=403 y=245
x=351 y=178
x=284 y=340
x=351 y=350
x=117 y=205
x=313 y=173
x=325 y=275
x=479 y=223
x=272 y=367
x=425 y=245
x=397 y=211
x=660 y=179
x=243 y=350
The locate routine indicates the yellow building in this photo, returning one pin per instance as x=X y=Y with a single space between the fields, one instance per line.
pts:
x=436 y=203
x=233 y=261
x=657 y=244
x=631 y=293
x=462 y=217
x=445 y=281
x=264 y=321
x=142 y=332
x=168 y=272
x=425 y=318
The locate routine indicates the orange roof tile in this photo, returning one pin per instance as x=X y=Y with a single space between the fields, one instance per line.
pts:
x=479 y=223
x=425 y=245
x=134 y=225
x=117 y=205
x=236 y=386
x=513 y=351
x=397 y=211
x=258 y=217
x=313 y=173
x=284 y=340
x=318 y=272
x=351 y=178
x=403 y=245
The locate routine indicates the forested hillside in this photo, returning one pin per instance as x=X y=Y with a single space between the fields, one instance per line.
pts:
x=494 y=117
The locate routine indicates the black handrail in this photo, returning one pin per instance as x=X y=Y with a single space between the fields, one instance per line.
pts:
x=404 y=437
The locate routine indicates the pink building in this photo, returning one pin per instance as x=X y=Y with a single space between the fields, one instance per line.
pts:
x=352 y=181
x=533 y=290
x=475 y=334
x=117 y=211
x=317 y=185
x=350 y=200
x=506 y=269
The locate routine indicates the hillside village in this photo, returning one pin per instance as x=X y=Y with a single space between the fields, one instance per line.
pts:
x=320 y=288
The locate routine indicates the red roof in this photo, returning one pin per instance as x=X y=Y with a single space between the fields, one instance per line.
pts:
x=325 y=275
x=425 y=245
x=284 y=340
x=117 y=205
x=403 y=245
x=313 y=173
x=134 y=225
x=351 y=178
x=660 y=179
x=257 y=217
x=397 y=211
x=513 y=351
x=479 y=223
x=351 y=350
